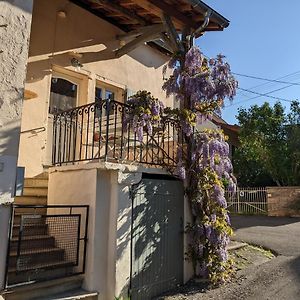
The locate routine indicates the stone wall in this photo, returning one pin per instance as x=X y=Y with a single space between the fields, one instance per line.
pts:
x=283 y=201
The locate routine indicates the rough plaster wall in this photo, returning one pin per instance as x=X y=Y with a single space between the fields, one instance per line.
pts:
x=15 y=20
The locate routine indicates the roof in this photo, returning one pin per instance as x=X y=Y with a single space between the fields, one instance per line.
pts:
x=131 y=14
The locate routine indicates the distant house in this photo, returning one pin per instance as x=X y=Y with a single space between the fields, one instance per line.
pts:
x=97 y=202
x=231 y=131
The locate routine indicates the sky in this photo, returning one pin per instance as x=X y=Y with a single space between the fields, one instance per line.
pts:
x=262 y=40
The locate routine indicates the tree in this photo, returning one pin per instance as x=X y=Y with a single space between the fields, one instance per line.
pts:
x=293 y=141
x=269 y=143
x=200 y=85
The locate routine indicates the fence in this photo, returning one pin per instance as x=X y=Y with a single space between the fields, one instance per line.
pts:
x=97 y=131
x=247 y=200
x=46 y=242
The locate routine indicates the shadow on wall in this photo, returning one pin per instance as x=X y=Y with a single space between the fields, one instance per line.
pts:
x=8 y=134
x=26 y=6
x=157 y=238
x=53 y=37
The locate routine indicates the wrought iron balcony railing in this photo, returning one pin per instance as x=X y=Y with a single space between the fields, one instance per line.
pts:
x=97 y=132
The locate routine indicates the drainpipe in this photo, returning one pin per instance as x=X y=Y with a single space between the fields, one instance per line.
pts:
x=202 y=27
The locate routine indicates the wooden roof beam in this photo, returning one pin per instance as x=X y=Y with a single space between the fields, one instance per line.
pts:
x=172 y=33
x=112 y=5
x=154 y=10
x=159 y=7
x=147 y=36
x=173 y=12
x=139 y=31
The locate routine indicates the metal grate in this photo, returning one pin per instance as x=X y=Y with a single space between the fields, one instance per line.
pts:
x=46 y=242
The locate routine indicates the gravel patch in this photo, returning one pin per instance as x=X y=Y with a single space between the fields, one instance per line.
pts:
x=247 y=259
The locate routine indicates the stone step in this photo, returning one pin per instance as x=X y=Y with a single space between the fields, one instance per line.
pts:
x=38 y=211
x=234 y=245
x=46 y=271
x=33 y=258
x=35 y=191
x=44 y=175
x=32 y=242
x=72 y=295
x=31 y=230
x=36 y=182
x=47 y=288
x=31 y=200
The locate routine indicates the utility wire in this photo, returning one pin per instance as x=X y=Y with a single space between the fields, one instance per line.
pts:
x=266 y=95
x=266 y=83
x=289 y=84
x=259 y=95
x=265 y=79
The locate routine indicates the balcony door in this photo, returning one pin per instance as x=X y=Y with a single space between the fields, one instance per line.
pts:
x=64 y=95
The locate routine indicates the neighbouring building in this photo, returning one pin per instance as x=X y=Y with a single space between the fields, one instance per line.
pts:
x=96 y=203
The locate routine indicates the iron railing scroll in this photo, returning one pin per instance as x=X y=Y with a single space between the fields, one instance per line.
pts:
x=97 y=131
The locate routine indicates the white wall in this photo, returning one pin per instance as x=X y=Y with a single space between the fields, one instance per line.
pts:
x=51 y=39
x=106 y=188
x=15 y=20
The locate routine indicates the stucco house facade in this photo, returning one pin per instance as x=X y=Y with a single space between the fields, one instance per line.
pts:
x=96 y=203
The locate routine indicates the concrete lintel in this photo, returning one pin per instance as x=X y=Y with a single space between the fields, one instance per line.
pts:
x=129 y=178
x=109 y=166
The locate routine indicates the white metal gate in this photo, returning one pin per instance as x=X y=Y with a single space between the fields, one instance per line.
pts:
x=252 y=200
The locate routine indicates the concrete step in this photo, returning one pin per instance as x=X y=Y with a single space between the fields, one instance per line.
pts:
x=44 y=289
x=35 y=191
x=46 y=271
x=31 y=200
x=30 y=210
x=44 y=175
x=32 y=242
x=33 y=258
x=31 y=230
x=72 y=295
x=234 y=245
x=36 y=182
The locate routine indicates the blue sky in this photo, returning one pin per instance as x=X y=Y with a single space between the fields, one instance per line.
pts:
x=263 y=39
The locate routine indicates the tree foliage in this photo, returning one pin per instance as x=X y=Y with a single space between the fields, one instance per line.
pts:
x=269 y=145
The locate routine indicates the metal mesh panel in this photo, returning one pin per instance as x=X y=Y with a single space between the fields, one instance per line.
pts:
x=65 y=230
x=46 y=246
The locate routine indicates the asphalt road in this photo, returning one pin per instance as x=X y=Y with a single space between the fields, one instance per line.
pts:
x=279 y=234
x=277 y=279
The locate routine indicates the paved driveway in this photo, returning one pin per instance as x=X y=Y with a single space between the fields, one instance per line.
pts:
x=278 y=279
x=279 y=234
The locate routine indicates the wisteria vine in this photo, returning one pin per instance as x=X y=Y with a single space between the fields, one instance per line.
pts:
x=200 y=85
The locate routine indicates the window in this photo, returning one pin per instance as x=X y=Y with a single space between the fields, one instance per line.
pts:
x=108 y=92
x=63 y=95
x=104 y=93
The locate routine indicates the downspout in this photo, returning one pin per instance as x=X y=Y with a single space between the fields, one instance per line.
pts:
x=201 y=28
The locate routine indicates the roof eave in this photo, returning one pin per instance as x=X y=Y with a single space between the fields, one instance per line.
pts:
x=221 y=20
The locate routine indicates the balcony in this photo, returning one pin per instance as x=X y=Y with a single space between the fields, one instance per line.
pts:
x=97 y=132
